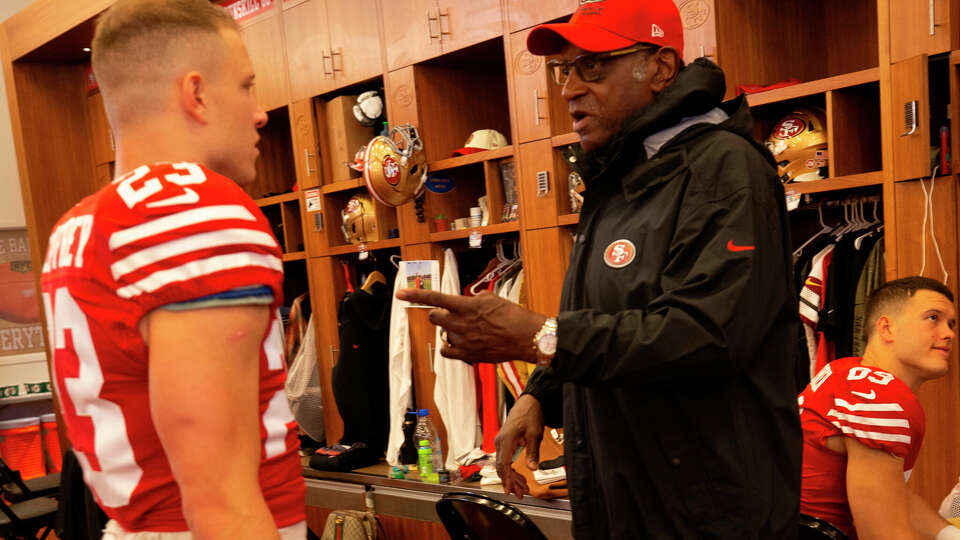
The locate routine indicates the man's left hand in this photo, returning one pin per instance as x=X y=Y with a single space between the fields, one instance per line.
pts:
x=482 y=328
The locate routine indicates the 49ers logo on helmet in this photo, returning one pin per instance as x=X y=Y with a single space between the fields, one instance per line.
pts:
x=789 y=127
x=620 y=253
x=391 y=171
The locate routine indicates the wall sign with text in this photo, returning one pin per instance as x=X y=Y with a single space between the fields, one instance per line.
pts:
x=20 y=330
x=242 y=10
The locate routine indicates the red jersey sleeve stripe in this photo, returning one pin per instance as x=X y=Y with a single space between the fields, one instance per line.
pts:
x=187 y=244
x=178 y=220
x=873 y=435
x=197 y=268
x=881 y=422
x=840 y=402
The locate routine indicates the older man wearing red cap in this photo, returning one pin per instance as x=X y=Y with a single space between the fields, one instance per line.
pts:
x=671 y=363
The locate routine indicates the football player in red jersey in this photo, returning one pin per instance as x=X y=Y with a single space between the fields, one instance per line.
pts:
x=862 y=422
x=161 y=292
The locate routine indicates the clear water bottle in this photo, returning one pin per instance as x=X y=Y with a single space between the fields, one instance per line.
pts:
x=428 y=448
x=435 y=448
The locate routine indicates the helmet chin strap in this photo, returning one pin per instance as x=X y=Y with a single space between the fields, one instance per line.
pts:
x=423 y=180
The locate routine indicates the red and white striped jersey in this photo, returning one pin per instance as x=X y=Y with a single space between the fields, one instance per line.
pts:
x=161 y=234
x=866 y=403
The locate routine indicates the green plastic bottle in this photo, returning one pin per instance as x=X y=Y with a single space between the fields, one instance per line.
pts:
x=426 y=462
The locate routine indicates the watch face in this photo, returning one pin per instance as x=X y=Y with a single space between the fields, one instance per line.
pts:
x=547 y=344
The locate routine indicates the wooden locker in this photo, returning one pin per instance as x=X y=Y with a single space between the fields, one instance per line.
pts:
x=264 y=41
x=307 y=40
x=911 y=143
x=354 y=41
x=524 y=14
x=303 y=135
x=938 y=462
x=345 y=135
x=100 y=132
x=919 y=27
x=468 y=22
x=411 y=31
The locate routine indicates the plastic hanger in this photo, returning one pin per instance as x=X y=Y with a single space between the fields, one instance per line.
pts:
x=823 y=230
x=870 y=225
x=877 y=220
x=847 y=225
x=861 y=216
x=395 y=261
x=501 y=268
x=374 y=277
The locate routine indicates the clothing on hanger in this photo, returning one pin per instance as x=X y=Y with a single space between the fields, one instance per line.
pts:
x=374 y=277
x=400 y=373
x=514 y=374
x=454 y=391
x=832 y=264
x=871 y=278
x=360 y=381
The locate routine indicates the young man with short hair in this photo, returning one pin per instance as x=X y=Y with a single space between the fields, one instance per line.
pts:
x=161 y=292
x=862 y=422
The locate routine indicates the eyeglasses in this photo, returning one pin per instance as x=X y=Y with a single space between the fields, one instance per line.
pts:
x=590 y=66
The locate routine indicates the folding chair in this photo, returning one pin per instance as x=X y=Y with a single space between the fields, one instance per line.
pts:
x=16 y=489
x=26 y=520
x=476 y=517
x=814 y=528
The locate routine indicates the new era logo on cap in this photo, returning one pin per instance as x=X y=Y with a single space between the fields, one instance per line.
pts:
x=656 y=31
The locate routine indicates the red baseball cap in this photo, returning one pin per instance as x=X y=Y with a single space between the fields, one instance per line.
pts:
x=608 y=25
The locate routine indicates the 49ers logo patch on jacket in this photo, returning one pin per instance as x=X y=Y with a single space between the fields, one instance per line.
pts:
x=620 y=253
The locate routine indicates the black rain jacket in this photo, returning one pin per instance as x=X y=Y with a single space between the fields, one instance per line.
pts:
x=677 y=370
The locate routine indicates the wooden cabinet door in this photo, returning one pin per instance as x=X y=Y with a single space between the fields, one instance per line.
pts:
x=911 y=147
x=467 y=22
x=538 y=210
x=103 y=145
x=308 y=49
x=918 y=27
x=699 y=29
x=264 y=41
x=303 y=134
x=354 y=40
x=411 y=31
x=527 y=13
x=403 y=108
x=327 y=287
x=955 y=111
x=531 y=87
x=937 y=463
x=545 y=261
